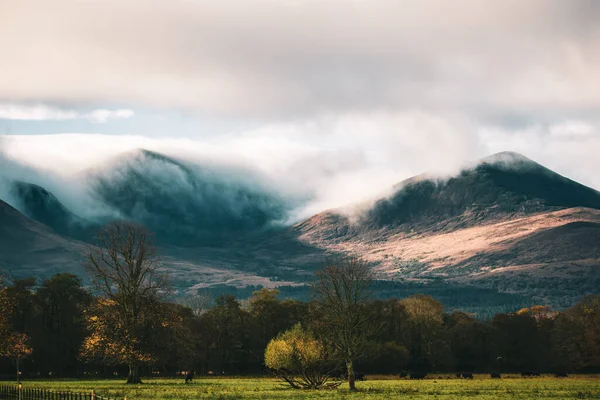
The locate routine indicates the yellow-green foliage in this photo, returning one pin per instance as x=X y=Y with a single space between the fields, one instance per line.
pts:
x=294 y=350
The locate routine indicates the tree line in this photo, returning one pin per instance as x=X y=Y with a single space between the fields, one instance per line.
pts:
x=129 y=323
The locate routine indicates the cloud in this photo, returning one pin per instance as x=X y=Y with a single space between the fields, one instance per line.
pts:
x=286 y=59
x=46 y=113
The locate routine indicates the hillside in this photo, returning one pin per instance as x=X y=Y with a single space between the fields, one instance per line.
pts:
x=41 y=205
x=30 y=248
x=505 y=226
x=185 y=204
x=506 y=214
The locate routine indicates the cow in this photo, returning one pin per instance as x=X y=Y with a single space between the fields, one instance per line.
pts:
x=495 y=375
x=189 y=377
x=418 y=375
x=465 y=375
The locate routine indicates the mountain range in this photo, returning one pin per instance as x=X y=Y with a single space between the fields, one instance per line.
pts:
x=504 y=227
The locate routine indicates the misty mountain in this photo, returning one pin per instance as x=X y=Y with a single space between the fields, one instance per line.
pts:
x=41 y=205
x=31 y=248
x=186 y=204
x=506 y=225
x=503 y=184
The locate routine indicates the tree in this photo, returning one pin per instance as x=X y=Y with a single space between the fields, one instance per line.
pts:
x=17 y=347
x=226 y=335
x=300 y=359
x=425 y=326
x=577 y=335
x=5 y=311
x=342 y=290
x=62 y=301
x=125 y=269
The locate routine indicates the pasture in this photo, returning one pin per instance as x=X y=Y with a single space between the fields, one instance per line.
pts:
x=375 y=387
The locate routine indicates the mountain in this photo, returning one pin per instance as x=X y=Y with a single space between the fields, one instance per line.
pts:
x=505 y=231
x=29 y=248
x=186 y=204
x=41 y=205
x=505 y=214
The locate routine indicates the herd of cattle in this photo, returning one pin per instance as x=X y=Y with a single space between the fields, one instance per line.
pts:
x=464 y=375
x=359 y=376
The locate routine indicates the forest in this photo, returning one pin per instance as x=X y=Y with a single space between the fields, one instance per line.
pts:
x=55 y=319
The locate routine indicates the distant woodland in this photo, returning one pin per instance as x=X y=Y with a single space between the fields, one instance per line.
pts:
x=55 y=323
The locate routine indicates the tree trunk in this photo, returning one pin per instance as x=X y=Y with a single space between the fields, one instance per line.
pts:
x=134 y=374
x=351 y=378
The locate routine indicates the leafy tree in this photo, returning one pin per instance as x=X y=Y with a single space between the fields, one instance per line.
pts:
x=62 y=301
x=226 y=335
x=577 y=335
x=342 y=290
x=300 y=359
x=125 y=269
x=5 y=311
x=428 y=349
x=17 y=347
x=21 y=295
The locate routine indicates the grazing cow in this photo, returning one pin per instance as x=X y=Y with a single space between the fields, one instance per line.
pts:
x=418 y=375
x=495 y=375
x=561 y=374
x=189 y=377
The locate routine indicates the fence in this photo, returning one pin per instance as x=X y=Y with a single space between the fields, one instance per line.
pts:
x=18 y=392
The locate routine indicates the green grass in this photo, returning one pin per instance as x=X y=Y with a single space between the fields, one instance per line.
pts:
x=482 y=387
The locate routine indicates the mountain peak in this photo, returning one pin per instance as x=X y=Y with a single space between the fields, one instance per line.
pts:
x=506 y=157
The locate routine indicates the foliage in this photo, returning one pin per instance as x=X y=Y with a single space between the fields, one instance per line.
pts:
x=299 y=359
x=5 y=311
x=17 y=346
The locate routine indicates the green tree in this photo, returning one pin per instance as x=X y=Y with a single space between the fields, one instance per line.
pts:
x=428 y=350
x=62 y=301
x=300 y=359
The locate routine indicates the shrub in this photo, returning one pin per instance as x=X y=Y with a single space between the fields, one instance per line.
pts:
x=300 y=360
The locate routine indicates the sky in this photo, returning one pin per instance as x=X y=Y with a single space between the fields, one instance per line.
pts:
x=343 y=98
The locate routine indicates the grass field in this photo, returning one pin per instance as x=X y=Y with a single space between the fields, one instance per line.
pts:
x=482 y=387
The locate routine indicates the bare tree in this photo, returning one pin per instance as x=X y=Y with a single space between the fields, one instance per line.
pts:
x=125 y=269
x=342 y=290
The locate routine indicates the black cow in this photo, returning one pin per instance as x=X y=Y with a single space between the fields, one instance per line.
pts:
x=189 y=377
x=495 y=375
x=418 y=375
x=465 y=375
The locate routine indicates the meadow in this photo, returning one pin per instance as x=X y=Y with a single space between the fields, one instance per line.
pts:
x=379 y=387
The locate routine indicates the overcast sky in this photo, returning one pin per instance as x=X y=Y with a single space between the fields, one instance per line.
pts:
x=351 y=95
